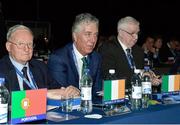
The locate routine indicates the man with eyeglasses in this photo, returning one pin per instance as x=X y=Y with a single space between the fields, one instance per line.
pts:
x=20 y=70
x=123 y=54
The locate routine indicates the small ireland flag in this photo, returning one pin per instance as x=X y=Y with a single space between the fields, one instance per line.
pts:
x=29 y=105
x=170 y=83
x=114 y=89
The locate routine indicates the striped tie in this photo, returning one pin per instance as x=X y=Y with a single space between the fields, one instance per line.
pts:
x=130 y=58
x=25 y=86
x=85 y=65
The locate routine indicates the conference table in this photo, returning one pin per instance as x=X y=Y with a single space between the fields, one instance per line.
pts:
x=155 y=114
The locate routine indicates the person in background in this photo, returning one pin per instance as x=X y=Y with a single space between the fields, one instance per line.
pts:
x=169 y=51
x=158 y=42
x=20 y=70
x=115 y=54
x=65 y=64
x=175 y=68
x=148 y=50
x=148 y=47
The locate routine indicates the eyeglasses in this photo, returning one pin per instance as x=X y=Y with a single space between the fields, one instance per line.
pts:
x=131 y=34
x=21 y=45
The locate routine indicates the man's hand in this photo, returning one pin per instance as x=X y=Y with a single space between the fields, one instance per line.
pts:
x=155 y=80
x=67 y=92
x=56 y=93
x=72 y=91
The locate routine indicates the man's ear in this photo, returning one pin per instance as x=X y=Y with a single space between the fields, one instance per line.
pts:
x=8 y=46
x=74 y=36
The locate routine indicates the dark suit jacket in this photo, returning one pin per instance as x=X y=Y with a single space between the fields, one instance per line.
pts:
x=38 y=69
x=175 y=69
x=165 y=53
x=113 y=57
x=62 y=67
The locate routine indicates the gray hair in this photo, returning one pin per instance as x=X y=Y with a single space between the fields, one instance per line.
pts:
x=123 y=22
x=83 y=18
x=15 y=28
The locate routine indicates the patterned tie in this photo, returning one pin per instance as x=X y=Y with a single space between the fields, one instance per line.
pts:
x=25 y=86
x=85 y=65
x=130 y=58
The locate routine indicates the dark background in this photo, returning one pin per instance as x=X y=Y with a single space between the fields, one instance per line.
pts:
x=155 y=16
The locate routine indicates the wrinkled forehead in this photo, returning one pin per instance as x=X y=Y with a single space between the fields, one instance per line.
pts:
x=21 y=33
x=87 y=25
x=133 y=26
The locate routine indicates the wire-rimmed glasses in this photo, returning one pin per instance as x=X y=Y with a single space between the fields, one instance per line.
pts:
x=22 y=45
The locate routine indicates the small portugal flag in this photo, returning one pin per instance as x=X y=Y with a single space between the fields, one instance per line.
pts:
x=170 y=83
x=114 y=89
x=28 y=105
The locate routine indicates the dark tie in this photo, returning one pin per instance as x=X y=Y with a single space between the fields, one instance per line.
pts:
x=85 y=65
x=25 y=86
x=130 y=58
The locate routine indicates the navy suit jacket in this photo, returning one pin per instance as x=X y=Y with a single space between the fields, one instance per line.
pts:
x=38 y=69
x=61 y=66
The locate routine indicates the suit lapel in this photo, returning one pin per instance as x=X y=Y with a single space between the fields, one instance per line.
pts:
x=123 y=55
x=34 y=72
x=12 y=76
x=14 y=86
x=134 y=55
x=91 y=66
x=73 y=61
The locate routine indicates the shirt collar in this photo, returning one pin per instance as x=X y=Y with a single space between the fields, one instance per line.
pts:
x=77 y=53
x=123 y=46
x=168 y=44
x=19 y=66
